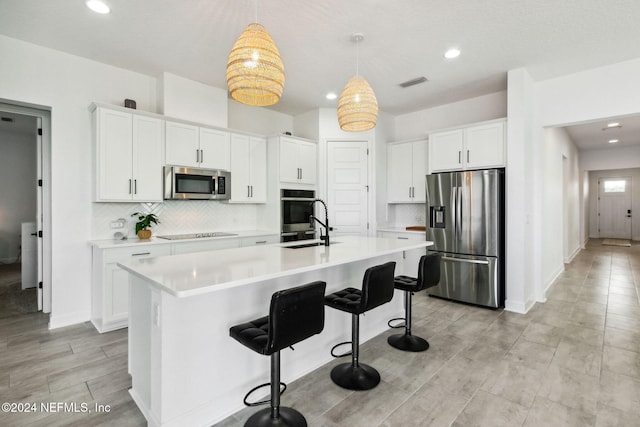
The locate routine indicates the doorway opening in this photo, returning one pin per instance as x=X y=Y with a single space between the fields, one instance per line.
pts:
x=25 y=218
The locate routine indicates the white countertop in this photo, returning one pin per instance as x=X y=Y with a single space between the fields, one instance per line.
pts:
x=134 y=241
x=401 y=230
x=203 y=272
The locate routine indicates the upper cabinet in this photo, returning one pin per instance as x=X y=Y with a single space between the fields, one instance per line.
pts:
x=189 y=145
x=298 y=160
x=128 y=156
x=406 y=171
x=472 y=147
x=248 y=169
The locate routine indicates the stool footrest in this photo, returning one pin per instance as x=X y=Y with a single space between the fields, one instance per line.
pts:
x=288 y=417
x=360 y=377
x=406 y=342
x=262 y=402
x=338 y=345
x=394 y=320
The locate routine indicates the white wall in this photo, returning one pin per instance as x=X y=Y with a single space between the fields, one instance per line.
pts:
x=68 y=84
x=258 y=120
x=612 y=158
x=635 y=198
x=18 y=188
x=561 y=203
x=418 y=124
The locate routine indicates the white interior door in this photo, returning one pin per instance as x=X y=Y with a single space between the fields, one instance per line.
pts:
x=614 y=208
x=347 y=187
x=29 y=255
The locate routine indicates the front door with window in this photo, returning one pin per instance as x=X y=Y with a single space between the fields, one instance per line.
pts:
x=614 y=208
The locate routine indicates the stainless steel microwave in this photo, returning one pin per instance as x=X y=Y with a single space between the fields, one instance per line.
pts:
x=182 y=183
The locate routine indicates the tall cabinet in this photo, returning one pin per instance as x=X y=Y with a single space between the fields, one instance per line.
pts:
x=129 y=155
x=248 y=169
x=406 y=171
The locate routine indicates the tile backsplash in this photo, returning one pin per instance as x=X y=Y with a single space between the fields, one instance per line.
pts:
x=176 y=217
x=404 y=214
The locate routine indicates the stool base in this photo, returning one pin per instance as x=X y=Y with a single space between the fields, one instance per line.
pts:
x=362 y=377
x=406 y=342
x=289 y=417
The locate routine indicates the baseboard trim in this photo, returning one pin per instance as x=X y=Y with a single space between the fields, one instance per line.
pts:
x=60 y=321
x=521 y=307
x=573 y=255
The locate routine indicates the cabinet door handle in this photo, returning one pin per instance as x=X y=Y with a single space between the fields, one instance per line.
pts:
x=251 y=186
x=141 y=254
x=403 y=238
x=261 y=242
x=135 y=186
x=409 y=192
x=467 y=156
x=197 y=156
x=248 y=191
x=129 y=186
x=201 y=156
x=459 y=157
x=300 y=173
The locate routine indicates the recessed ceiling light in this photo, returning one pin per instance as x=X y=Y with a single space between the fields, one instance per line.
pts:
x=98 y=6
x=452 y=53
x=331 y=95
x=613 y=141
x=613 y=125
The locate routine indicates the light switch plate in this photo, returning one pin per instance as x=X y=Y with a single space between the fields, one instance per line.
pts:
x=118 y=224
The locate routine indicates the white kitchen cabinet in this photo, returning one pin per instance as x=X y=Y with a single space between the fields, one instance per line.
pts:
x=204 y=245
x=406 y=172
x=298 y=160
x=472 y=147
x=410 y=258
x=129 y=156
x=193 y=146
x=110 y=284
x=248 y=169
x=260 y=240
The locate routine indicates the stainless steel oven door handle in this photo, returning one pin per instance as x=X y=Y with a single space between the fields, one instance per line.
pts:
x=468 y=261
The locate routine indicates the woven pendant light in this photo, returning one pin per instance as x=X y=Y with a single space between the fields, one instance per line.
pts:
x=255 y=72
x=357 y=105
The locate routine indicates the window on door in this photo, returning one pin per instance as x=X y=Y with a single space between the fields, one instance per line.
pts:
x=617 y=186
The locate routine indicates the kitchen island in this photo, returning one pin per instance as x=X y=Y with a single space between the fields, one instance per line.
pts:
x=185 y=368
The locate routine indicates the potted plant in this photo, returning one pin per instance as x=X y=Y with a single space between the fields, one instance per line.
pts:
x=144 y=224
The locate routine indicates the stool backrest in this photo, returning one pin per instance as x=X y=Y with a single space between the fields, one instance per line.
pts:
x=295 y=314
x=428 y=271
x=377 y=286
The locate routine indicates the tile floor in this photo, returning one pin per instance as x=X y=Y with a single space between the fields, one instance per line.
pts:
x=573 y=361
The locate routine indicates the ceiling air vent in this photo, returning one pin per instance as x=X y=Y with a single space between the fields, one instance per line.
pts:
x=413 y=82
x=7 y=119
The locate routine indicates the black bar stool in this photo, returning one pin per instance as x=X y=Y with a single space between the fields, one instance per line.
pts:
x=377 y=289
x=294 y=315
x=428 y=276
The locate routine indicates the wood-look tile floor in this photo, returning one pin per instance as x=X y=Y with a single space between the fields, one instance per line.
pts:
x=572 y=361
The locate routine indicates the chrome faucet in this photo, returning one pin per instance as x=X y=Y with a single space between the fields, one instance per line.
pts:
x=325 y=224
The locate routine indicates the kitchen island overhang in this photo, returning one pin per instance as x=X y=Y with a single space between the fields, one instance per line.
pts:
x=184 y=366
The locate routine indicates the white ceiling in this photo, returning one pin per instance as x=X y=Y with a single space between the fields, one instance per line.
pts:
x=596 y=135
x=404 y=39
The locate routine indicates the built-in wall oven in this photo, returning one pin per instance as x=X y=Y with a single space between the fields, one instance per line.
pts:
x=296 y=208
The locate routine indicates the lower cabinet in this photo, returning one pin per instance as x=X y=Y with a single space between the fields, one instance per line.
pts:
x=411 y=258
x=110 y=284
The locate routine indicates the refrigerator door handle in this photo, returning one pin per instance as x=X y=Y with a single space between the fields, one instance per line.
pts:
x=454 y=213
x=458 y=212
x=468 y=261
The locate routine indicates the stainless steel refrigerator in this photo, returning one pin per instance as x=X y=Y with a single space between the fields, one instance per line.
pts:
x=466 y=224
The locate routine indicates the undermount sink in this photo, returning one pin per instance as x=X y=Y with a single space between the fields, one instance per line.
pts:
x=308 y=245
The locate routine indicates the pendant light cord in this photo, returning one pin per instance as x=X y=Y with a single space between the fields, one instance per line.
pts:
x=357 y=56
x=256 y=8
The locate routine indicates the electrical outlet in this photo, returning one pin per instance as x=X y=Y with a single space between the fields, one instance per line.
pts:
x=118 y=224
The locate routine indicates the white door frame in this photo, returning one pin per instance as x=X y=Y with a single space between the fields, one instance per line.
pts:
x=43 y=114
